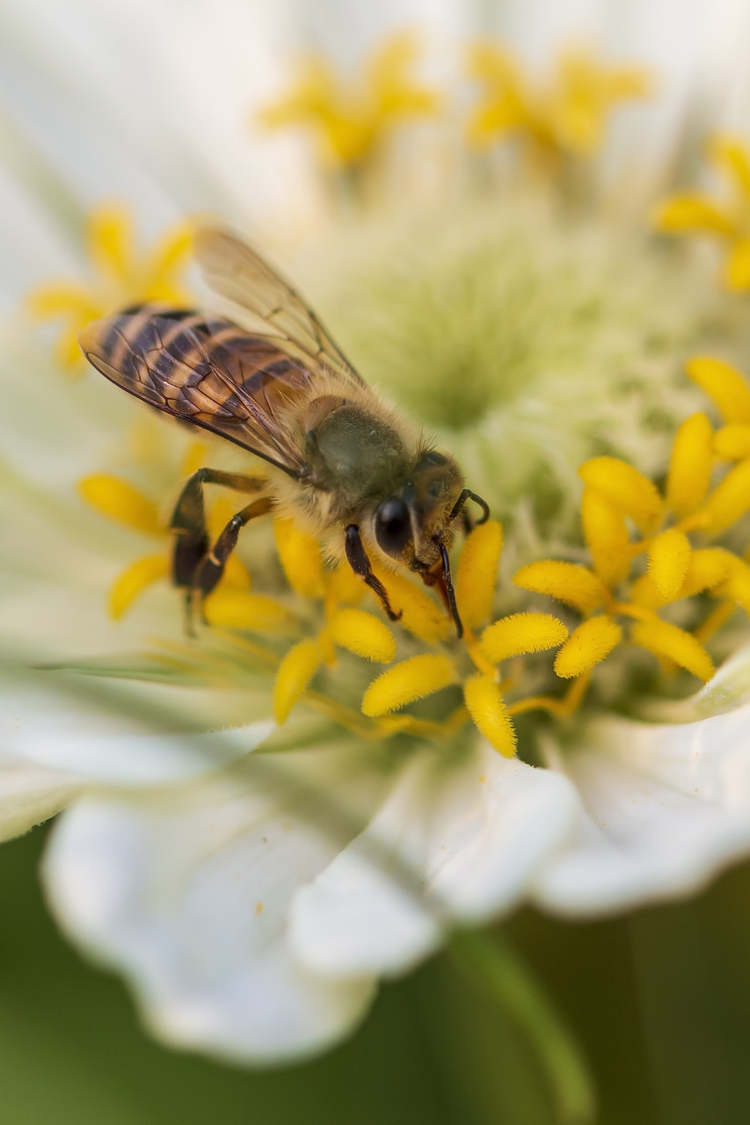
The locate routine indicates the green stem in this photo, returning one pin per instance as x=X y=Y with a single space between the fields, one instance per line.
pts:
x=490 y=963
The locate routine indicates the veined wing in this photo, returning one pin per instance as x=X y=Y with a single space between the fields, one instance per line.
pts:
x=205 y=371
x=235 y=271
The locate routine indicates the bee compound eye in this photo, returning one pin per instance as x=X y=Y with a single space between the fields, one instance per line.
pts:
x=392 y=526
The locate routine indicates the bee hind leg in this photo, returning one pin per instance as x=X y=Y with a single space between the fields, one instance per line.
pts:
x=192 y=542
x=360 y=564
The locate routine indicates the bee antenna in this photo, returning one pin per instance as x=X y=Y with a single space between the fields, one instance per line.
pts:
x=467 y=494
x=449 y=587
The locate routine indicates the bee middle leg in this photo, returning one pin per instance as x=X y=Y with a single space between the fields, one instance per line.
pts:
x=360 y=564
x=192 y=543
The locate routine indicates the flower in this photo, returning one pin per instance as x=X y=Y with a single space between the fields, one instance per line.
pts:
x=727 y=220
x=259 y=825
x=568 y=116
x=352 y=123
x=120 y=276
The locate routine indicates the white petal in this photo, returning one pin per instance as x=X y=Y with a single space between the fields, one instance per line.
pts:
x=29 y=795
x=188 y=895
x=454 y=841
x=45 y=728
x=662 y=809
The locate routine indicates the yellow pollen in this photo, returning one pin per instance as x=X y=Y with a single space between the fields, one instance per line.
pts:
x=690 y=465
x=488 y=711
x=236 y=609
x=363 y=634
x=730 y=500
x=295 y=673
x=626 y=488
x=406 y=682
x=668 y=562
x=688 y=213
x=299 y=555
x=522 y=633
x=732 y=442
x=420 y=613
x=724 y=384
x=122 y=502
x=476 y=575
x=708 y=568
x=587 y=646
x=133 y=581
x=669 y=642
x=606 y=535
x=568 y=582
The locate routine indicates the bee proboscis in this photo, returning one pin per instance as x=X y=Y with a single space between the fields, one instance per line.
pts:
x=340 y=462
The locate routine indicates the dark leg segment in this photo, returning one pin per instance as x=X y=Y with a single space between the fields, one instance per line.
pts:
x=191 y=539
x=360 y=564
x=210 y=570
x=467 y=494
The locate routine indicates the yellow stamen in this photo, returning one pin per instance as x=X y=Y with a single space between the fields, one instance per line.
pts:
x=522 y=633
x=476 y=576
x=236 y=574
x=690 y=465
x=708 y=568
x=343 y=587
x=487 y=708
x=668 y=641
x=626 y=488
x=715 y=620
x=134 y=580
x=560 y=707
x=691 y=212
x=363 y=634
x=732 y=442
x=406 y=682
x=235 y=609
x=587 y=646
x=606 y=536
x=420 y=613
x=300 y=557
x=295 y=673
x=120 y=501
x=724 y=384
x=568 y=582
x=730 y=500
x=668 y=562
x=194 y=459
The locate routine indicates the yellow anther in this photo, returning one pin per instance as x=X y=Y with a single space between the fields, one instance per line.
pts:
x=488 y=711
x=587 y=646
x=236 y=574
x=194 y=458
x=724 y=384
x=235 y=609
x=732 y=443
x=327 y=647
x=522 y=633
x=715 y=620
x=672 y=643
x=626 y=488
x=643 y=593
x=730 y=500
x=476 y=576
x=363 y=634
x=295 y=673
x=690 y=213
x=343 y=587
x=606 y=536
x=708 y=568
x=406 y=682
x=134 y=580
x=568 y=582
x=668 y=562
x=690 y=465
x=420 y=613
x=299 y=555
x=120 y=501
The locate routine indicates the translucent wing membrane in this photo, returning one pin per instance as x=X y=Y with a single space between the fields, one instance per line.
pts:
x=205 y=371
x=234 y=271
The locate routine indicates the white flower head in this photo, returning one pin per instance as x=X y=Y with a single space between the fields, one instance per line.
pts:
x=258 y=826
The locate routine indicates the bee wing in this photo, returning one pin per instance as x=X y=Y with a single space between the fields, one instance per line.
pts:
x=236 y=272
x=208 y=373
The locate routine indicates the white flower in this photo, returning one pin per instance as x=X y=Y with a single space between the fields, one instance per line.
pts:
x=255 y=884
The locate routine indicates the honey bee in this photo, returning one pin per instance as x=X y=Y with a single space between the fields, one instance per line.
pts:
x=339 y=461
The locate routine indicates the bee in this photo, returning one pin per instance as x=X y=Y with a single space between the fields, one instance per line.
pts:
x=339 y=461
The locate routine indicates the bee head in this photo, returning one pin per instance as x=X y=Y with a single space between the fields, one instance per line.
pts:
x=406 y=524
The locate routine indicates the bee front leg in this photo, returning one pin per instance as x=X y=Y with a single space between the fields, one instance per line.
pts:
x=189 y=522
x=360 y=564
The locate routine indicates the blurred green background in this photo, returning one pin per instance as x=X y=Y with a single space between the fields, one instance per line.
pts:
x=660 y=1003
